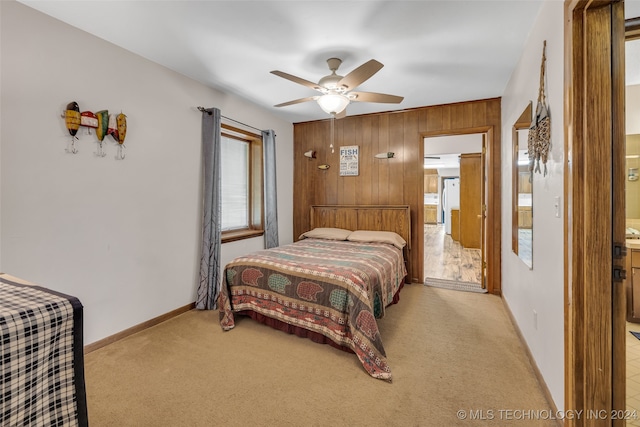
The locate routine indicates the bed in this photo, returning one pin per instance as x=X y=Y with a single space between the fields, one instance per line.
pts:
x=332 y=285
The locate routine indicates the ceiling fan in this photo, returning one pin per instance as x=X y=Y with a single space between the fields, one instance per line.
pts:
x=337 y=91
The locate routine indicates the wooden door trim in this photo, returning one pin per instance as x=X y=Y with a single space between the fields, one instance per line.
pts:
x=492 y=222
x=619 y=369
x=592 y=327
x=454 y=132
x=523 y=122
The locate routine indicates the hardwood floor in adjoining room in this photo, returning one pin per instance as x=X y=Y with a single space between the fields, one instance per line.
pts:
x=447 y=259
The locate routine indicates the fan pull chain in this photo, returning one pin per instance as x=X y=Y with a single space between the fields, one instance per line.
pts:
x=331 y=144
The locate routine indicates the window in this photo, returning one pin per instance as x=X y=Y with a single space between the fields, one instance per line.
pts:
x=235 y=184
x=241 y=183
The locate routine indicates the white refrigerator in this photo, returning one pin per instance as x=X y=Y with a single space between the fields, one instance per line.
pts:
x=450 y=200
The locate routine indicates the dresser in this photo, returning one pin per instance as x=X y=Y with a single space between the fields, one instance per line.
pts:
x=41 y=346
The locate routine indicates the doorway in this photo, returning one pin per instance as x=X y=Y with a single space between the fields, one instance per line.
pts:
x=594 y=206
x=454 y=189
x=632 y=222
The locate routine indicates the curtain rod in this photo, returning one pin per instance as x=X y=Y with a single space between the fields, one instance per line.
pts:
x=229 y=118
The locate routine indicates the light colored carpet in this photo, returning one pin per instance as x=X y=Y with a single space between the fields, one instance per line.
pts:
x=449 y=351
x=455 y=285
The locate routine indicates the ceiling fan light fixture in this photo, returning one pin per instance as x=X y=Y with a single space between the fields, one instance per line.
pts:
x=333 y=103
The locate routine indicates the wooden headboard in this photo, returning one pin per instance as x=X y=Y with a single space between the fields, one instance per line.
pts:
x=396 y=218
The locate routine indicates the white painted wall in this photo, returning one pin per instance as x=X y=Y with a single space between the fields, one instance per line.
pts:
x=449 y=171
x=632 y=109
x=122 y=236
x=542 y=288
x=0 y=140
x=471 y=143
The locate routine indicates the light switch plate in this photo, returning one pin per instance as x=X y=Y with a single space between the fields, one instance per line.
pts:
x=556 y=205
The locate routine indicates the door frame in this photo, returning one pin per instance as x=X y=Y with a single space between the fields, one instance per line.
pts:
x=490 y=250
x=594 y=206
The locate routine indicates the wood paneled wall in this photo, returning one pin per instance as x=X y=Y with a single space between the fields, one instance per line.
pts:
x=399 y=180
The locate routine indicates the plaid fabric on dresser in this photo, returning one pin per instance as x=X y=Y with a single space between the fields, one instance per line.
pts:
x=41 y=357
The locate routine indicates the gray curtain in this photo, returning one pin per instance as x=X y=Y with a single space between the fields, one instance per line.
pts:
x=209 y=286
x=270 y=190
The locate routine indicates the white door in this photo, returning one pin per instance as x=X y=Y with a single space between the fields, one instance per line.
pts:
x=451 y=201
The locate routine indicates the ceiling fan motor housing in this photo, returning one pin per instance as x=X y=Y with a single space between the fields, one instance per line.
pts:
x=330 y=83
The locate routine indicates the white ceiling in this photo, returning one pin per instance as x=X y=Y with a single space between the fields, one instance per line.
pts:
x=434 y=52
x=444 y=151
x=442 y=161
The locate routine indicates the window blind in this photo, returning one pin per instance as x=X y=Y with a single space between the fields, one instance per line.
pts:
x=235 y=184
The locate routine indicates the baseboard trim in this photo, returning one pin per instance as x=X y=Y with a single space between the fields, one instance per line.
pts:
x=534 y=365
x=137 y=328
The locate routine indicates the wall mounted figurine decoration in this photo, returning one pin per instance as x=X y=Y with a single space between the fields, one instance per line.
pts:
x=539 y=141
x=323 y=167
x=101 y=130
x=88 y=120
x=72 y=119
x=121 y=133
x=387 y=155
x=104 y=124
x=310 y=154
x=112 y=127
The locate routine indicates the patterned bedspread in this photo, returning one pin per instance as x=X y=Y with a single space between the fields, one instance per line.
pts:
x=335 y=288
x=41 y=358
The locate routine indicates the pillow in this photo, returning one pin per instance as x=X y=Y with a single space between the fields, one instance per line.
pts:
x=367 y=236
x=326 y=233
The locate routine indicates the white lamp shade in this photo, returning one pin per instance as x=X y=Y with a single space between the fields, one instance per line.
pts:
x=333 y=103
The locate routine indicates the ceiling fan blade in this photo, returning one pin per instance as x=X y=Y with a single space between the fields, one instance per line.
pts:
x=295 y=79
x=376 y=97
x=341 y=114
x=297 y=101
x=360 y=74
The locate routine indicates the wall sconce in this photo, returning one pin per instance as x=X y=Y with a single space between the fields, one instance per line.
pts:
x=310 y=154
x=388 y=155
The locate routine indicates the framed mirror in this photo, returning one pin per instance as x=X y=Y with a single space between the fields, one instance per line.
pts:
x=522 y=190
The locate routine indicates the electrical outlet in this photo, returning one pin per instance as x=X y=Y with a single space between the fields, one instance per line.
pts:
x=535 y=320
